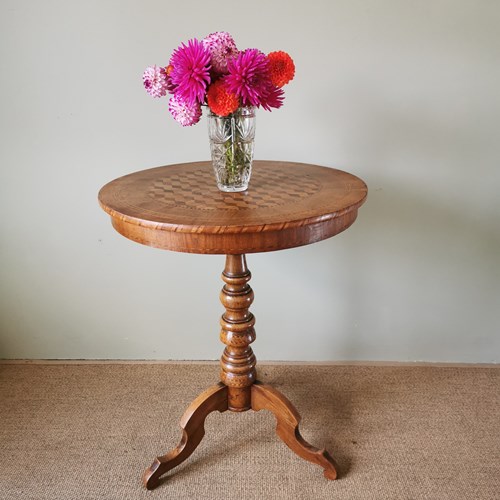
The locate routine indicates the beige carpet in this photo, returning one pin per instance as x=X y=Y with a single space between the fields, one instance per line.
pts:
x=78 y=432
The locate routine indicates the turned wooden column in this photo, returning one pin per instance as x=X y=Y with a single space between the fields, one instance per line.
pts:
x=237 y=332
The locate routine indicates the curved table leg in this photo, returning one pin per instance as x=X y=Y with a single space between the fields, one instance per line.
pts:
x=264 y=397
x=193 y=430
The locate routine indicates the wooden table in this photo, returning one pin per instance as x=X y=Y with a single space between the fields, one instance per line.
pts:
x=178 y=207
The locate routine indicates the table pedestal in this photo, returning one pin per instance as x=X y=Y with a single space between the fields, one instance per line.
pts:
x=238 y=389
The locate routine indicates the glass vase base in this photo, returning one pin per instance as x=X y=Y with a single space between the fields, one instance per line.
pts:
x=232 y=189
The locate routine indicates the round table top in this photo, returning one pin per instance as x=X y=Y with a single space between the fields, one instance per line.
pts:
x=178 y=207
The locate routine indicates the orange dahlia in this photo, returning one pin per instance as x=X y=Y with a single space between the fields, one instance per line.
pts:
x=281 y=68
x=220 y=101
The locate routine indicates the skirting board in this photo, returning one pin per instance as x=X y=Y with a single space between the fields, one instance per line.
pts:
x=216 y=362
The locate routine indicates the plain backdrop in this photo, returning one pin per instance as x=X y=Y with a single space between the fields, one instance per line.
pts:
x=402 y=93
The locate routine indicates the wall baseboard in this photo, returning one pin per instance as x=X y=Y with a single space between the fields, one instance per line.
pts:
x=260 y=363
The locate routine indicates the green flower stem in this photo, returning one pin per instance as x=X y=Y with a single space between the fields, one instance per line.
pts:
x=233 y=152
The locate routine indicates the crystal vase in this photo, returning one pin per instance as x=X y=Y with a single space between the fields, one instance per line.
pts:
x=231 y=144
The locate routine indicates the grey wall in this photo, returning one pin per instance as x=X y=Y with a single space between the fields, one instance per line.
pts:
x=404 y=94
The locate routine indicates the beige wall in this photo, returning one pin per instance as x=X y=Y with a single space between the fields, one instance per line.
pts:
x=404 y=94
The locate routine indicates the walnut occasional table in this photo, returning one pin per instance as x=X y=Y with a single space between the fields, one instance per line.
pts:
x=178 y=207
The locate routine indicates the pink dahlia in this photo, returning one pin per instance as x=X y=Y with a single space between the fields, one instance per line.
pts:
x=184 y=113
x=249 y=79
x=191 y=71
x=222 y=47
x=155 y=81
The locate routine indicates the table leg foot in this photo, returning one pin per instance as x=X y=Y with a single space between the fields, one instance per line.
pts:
x=193 y=430
x=265 y=397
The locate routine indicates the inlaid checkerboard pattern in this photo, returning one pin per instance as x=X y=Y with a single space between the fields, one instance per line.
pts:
x=197 y=190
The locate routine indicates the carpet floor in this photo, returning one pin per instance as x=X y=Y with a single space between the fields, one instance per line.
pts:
x=87 y=431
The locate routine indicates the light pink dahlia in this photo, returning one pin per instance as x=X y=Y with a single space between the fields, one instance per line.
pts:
x=184 y=113
x=249 y=79
x=222 y=47
x=190 y=71
x=155 y=81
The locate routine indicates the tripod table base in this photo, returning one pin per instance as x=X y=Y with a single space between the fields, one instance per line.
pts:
x=263 y=397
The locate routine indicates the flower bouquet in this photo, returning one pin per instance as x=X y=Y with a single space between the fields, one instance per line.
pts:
x=231 y=84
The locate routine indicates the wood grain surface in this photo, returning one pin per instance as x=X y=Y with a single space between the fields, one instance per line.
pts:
x=178 y=207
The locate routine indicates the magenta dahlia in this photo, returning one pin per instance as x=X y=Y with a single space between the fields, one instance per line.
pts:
x=272 y=98
x=191 y=71
x=184 y=113
x=155 y=81
x=222 y=47
x=249 y=79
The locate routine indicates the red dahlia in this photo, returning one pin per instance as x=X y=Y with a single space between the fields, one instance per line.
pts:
x=281 y=68
x=220 y=101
